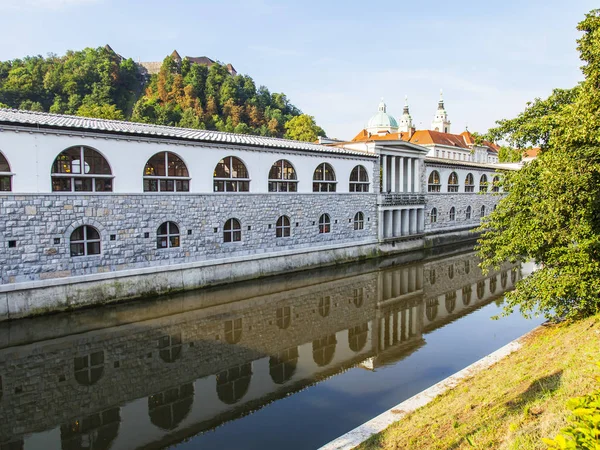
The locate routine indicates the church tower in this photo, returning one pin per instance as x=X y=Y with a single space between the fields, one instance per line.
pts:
x=405 y=123
x=441 y=122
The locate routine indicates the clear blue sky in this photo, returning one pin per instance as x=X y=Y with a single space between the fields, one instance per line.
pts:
x=335 y=59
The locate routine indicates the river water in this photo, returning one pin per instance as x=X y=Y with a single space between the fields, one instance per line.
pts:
x=286 y=362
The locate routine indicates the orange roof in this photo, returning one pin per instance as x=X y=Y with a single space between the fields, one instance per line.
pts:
x=468 y=137
x=424 y=137
x=532 y=152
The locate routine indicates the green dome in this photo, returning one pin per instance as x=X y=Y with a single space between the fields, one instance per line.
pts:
x=382 y=119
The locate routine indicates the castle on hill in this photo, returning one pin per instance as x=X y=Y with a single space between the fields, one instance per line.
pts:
x=150 y=68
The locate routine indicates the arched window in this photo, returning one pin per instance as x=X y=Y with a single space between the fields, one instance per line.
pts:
x=496 y=184
x=233 y=331
x=493 y=284
x=503 y=279
x=450 y=301
x=452 y=214
x=70 y=175
x=5 y=175
x=284 y=317
x=232 y=384
x=85 y=240
x=88 y=369
x=169 y=347
x=431 y=309
x=359 y=180
x=166 y=172
x=232 y=231
x=482 y=212
x=483 y=183
x=433 y=184
x=451 y=271
x=283 y=227
x=324 y=350
x=96 y=432
x=466 y=295
x=357 y=337
x=468 y=213
x=453 y=182
x=433 y=215
x=283 y=365
x=231 y=175
x=167 y=235
x=282 y=177
x=359 y=221
x=480 y=289
x=469 y=183
x=167 y=409
x=359 y=296
x=324 y=306
x=324 y=178
x=324 y=223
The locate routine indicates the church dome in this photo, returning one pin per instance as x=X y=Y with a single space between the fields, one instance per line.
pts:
x=382 y=120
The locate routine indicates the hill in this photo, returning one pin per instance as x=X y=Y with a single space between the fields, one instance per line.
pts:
x=97 y=82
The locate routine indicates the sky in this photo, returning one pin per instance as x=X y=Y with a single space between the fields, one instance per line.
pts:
x=335 y=60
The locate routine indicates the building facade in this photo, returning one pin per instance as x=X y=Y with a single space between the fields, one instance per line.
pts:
x=98 y=210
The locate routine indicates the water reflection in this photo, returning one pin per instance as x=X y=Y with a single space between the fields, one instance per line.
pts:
x=152 y=373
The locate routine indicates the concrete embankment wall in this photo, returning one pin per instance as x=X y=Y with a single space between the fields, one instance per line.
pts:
x=45 y=296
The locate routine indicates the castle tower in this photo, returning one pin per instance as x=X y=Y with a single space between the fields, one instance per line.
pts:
x=440 y=121
x=405 y=123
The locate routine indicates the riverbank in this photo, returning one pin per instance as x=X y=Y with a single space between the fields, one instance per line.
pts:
x=513 y=404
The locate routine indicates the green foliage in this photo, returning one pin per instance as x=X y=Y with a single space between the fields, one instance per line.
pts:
x=303 y=128
x=551 y=214
x=100 y=83
x=584 y=431
x=509 y=155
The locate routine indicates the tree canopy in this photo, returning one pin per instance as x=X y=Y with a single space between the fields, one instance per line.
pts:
x=551 y=214
x=99 y=83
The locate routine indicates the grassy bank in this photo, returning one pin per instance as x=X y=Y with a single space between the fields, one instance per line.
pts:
x=513 y=404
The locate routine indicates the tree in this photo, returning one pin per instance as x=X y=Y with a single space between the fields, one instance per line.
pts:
x=551 y=213
x=303 y=128
x=509 y=155
x=101 y=112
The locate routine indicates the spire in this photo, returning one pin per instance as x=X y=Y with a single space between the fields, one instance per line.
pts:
x=382 y=107
x=175 y=56
x=406 y=105
x=405 y=124
x=441 y=102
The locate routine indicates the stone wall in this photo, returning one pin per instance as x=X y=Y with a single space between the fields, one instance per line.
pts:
x=35 y=230
x=443 y=202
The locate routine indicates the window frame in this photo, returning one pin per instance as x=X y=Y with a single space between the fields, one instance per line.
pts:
x=5 y=175
x=469 y=187
x=168 y=236
x=235 y=234
x=166 y=178
x=359 y=221
x=359 y=185
x=330 y=185
x=452 y=214
x=432 y=186
x=81 y=176
x=482 y=211
x=483 y=183
x=433 y=215
x=453 y=187
x=277 y=184
x=468 y=212
x=85 y=242
x=283 y=227
x=324 y=224
x=496 y=184
x=244 y=182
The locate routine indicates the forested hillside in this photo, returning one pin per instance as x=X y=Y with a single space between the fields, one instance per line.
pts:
x=100 y=83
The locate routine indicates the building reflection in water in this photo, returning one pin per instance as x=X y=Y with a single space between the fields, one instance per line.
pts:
x=230 y=349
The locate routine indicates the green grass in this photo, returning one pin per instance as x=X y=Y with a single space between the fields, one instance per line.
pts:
x=511 y=405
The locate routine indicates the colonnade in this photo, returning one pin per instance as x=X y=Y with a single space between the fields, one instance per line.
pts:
x=401 y=221
x=400 y=174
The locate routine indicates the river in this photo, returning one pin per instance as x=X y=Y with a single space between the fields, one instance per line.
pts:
x=285 y=362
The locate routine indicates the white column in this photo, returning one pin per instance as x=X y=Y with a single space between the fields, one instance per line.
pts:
x=387 y=223
x=413 y=221
x=384 y=173
x=420 y=220
x=417 y=176
x=409 y=175
x=401 y=175
x=393 y=174
x=380 y=225
x=397 y=223
x=404 y=222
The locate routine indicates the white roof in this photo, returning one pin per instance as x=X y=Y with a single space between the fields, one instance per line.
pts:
x=59 y=121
